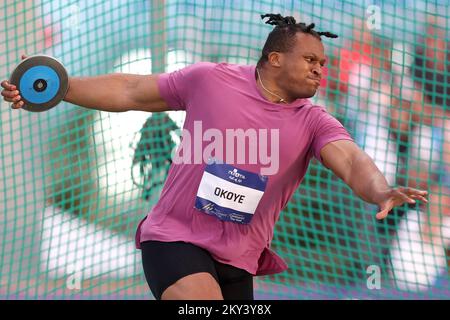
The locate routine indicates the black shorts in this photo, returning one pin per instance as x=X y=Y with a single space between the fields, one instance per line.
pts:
x=166 y=262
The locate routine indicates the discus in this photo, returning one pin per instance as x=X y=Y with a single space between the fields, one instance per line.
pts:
x=42 y=82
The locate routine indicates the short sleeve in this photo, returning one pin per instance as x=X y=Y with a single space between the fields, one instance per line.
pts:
x=327 y=129
x=176 y=87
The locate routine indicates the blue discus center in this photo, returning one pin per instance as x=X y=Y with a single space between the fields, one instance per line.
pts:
x=39 y=84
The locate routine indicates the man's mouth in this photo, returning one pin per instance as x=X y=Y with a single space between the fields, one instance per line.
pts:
x=315 y=80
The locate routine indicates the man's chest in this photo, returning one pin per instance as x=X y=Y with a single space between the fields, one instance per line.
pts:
x=243 y=133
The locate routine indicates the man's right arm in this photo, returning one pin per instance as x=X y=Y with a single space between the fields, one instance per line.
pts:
x=117 y=93
x=113 y=92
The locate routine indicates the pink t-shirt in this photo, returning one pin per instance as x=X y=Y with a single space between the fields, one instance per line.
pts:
x=219 y=99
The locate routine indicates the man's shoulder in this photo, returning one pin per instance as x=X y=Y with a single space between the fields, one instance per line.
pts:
x=318 y=113
x=202 y=66
x=219 y=67
x=233 y=68
x=318 y=108
x=313 y=108
x=221 y=70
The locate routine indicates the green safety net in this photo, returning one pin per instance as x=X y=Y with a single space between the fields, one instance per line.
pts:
x=74 y=182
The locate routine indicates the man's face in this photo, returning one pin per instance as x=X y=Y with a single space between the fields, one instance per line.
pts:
x=301 y=67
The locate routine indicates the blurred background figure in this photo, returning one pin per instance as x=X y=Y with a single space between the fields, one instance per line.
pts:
x=153 y=153
x=360 y=84
x=418 y=251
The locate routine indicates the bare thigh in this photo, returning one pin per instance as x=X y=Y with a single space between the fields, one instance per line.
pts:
x=197 y=286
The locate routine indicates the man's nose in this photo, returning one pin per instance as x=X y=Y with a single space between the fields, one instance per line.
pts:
x=317 y=71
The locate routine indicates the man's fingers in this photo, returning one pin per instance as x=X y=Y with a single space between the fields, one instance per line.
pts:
x=8 y=86
x=416 y=194
x=382 y=214
x=420 y=198
x=17 y=105
x=398 y=196
x=385 y=208
x=411 y=191
x=10 y=94
x=423 y=199
x=405 y=198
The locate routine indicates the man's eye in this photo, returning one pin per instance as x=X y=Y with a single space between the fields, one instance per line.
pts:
x=309 y=59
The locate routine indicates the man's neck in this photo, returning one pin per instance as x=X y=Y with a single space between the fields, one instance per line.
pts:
x=268 y=88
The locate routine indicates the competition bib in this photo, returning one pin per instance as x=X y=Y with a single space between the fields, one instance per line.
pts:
x=229 y=193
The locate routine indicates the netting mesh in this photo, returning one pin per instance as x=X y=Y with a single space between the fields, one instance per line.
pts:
x=74 y=183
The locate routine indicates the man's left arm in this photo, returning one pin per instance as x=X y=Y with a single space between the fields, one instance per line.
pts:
x=360 y=173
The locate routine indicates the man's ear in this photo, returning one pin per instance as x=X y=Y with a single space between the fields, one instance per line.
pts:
x=275 y=59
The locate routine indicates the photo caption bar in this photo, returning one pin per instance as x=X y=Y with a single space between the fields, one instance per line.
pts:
x=225 y=309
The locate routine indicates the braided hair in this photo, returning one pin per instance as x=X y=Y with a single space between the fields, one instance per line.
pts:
x=282 y=37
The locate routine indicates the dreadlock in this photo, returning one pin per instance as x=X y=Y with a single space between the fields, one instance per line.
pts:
x=282 y=37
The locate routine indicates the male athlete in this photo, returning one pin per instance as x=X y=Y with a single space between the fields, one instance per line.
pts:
x=249 y=135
